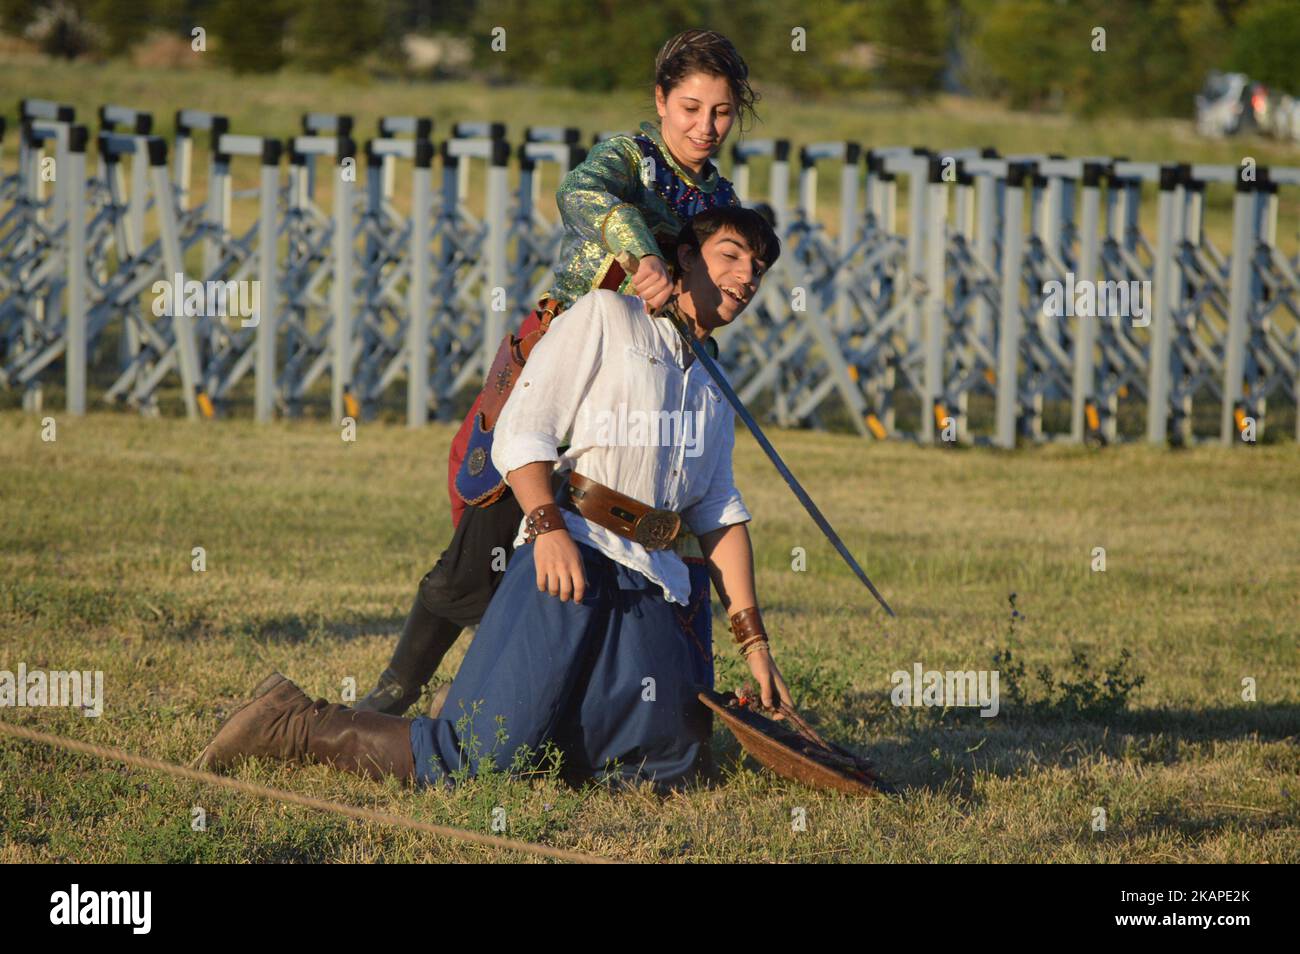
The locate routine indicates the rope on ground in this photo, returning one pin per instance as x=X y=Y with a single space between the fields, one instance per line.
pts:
x=320 y=804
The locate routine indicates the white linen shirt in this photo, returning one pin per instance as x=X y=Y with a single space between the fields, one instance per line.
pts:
x=601 y=353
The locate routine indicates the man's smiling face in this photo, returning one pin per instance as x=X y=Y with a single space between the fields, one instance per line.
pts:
x=720 y=280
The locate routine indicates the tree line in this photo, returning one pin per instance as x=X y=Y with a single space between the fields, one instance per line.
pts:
x=1088 y=57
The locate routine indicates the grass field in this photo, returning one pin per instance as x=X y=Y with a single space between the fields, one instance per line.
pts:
x=314 y=546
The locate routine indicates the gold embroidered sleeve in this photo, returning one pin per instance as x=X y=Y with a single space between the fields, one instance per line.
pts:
x=597 y=199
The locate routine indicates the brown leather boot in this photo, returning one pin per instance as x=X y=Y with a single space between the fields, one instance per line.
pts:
x=280 y=721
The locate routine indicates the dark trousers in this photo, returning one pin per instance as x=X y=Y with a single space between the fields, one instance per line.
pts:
x=611 y=681
x=462 y=582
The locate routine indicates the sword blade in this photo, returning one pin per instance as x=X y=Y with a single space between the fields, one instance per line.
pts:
x=628 y=262
x=791 y=481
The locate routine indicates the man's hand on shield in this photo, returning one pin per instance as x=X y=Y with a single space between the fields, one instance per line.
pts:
x=771 y=685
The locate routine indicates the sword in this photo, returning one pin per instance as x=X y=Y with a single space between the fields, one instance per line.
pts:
x=629 y=264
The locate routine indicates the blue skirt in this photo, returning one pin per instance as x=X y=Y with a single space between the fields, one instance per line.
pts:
x=609 y=681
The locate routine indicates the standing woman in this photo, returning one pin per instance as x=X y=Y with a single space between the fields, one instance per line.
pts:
x=634 y=194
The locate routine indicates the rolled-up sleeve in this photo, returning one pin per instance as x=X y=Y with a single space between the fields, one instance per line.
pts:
x=721 y=505
x=541 y=409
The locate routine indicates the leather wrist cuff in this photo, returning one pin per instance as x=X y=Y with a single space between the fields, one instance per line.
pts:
x=746 y=624
x=541 y=520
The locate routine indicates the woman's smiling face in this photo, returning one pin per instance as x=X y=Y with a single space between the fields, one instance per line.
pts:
x=696 y=117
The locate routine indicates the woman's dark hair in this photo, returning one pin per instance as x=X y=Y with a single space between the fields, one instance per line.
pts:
x=749 y=224
x=704 y=51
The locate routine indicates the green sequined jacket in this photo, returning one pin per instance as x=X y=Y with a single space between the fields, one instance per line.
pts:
x=607 y=207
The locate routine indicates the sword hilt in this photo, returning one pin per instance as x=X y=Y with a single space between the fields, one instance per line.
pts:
x=630 y=263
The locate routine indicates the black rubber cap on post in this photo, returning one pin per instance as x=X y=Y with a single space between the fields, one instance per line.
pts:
x=157 y=151
x=1244 y=184
x=220 y=126
x=344 y=128
x=78 y=136
x=271 y=149
x=1169 y=176
x=500 y=150
x=373 y=159
x=876 y=164
x=182 y=129
x=887 y=177
x=935 y=170
x=449 y=159
x=964 y=178
x=781 y=150
x=1017 y=172
x=497 y=130
x=571 y=135
x=577 y=155
x=423 y=128
x=423 y=153
x=920 y=150
x=66 y=114
x=143 y=124
x=108 y=155
x=526 y=162
x=346 y=149
x=738 y=157
x=102 y=113
x=805 y=160
x=988 y=152
x=1092 y=173
x=852 y=152
x=296 y=158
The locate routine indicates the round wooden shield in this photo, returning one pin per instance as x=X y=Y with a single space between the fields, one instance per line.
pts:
x=789 y=754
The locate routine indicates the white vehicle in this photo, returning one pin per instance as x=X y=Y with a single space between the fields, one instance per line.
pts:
x=1224 y=105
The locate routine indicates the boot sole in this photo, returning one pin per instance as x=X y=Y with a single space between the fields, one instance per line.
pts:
x=266 y=685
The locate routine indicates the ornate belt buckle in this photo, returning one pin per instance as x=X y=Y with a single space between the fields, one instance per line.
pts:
x=655 y=529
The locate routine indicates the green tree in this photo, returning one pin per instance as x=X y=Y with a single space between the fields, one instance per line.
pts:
x=912 y=44
x=1019 y=43
x=336 y=34
x=1266 y=45
x=250 y=36
x=123 y=23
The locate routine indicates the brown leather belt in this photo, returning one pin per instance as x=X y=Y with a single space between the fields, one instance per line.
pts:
x=652 y=527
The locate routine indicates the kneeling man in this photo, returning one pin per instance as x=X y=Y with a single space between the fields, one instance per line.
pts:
x=579 y=646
